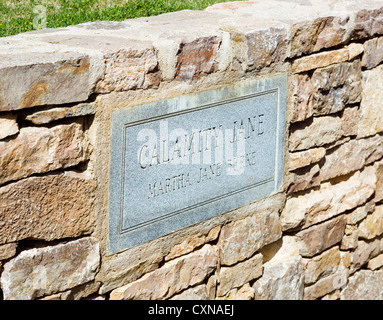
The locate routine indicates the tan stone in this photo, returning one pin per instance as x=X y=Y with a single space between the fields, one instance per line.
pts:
x=351 y=156
x=211 y=287
x=318 y=132
x=7 y=250
x=329 y=200
x=375 y=263
x=50 y=77
x=332 y=296
x=49 y=207
x=321 y=265
x=372 y=226
x=336 y=86
x=350 y=239
x=303 y=178
x=373 y=53
x=40 y=149
x=240 y=239
x=193 y=242
x=302 y=92
x=246 y=292
x=371 y=115
x=327 y=285
x=130 y=69
x=320 y=237
x=379 y=182
x=360 y=213
x=281 y=280
x=363 y=285
x=197 y=58
x=350 y=119
x=239 y=274
x=195 y=293
x=43 y=271
x=8 y=125
x=280 y=250
x=364 y=252
x=266 y=47
x=305 y=158
x=175 y=276
x=49 y=115
x=327 y=58
x=368 y=23
x=312 y=36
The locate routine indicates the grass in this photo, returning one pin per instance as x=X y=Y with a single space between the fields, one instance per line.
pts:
x=18 y=16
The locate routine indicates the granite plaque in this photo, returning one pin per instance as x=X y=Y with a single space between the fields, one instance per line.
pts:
x=180 y=161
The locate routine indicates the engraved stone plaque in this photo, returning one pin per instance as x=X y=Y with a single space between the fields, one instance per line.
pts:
x=176 y=162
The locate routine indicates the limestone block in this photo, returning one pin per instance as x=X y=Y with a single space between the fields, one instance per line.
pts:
x=363 y=286
x=364 y=252
x=350 y=239
x=240 y=239
x=360 y=213
x=373 y=53
x=195 y=293
x=8 y=125
x=175 y=276
x=322 y=265
x=368 y=23
x=320 y=237
x=350 y=120
x=43 y=271
x=239 y=274
x=375 y=263
x=329 y=200
x=7 y=250
x=47 y=208
x=40 y=149
x=246 y=292
x=304 y=178
x=371 y=115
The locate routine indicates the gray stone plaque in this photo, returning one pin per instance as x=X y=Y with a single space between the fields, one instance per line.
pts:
x=180 y=161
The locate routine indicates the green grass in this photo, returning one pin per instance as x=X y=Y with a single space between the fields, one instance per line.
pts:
x=17 y=16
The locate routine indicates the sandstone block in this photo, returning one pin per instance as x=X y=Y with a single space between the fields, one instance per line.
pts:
x=246 y=292
x=305 y=158
x=321 y=265
x=240 y=239
x=373 y=53
x=351 y=156
x=239 y=274
x=363 y=286
x=327 y=58
x=8 y=125
x=372 y=226
x=364 y=252
x=130 y=69
x=371 y=116
x=195 y=293
x=360 y=213
x=303 y=178
x=265 y=47
x=49 y=115
x=197 y=58
x=350 y=239
x=302 y=98
x=375 y=263
x=312 y=36
x=336 y=86
x=327 y=285
x=47 y=208
x=173 y=277
x=320 y=237
x=368 y=23
x=43 y=271
x=48 y=79
x=318 y=132
x=329 y=200
x=281 y=280
x=39 y=150
x=350 y=120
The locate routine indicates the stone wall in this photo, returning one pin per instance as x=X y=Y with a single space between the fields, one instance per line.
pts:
x=320 y=237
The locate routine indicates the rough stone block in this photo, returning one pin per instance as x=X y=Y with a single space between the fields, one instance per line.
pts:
x=240 y=239
x=8 y=125
x=364 y=252
x=43 y=271
x=363 y=286
x=305 y=158
x=47 y=208
x=373 y=53
x=302 y=98
x=171 y=278
x=40 y=149
x=372 y=226
x=7 y=250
